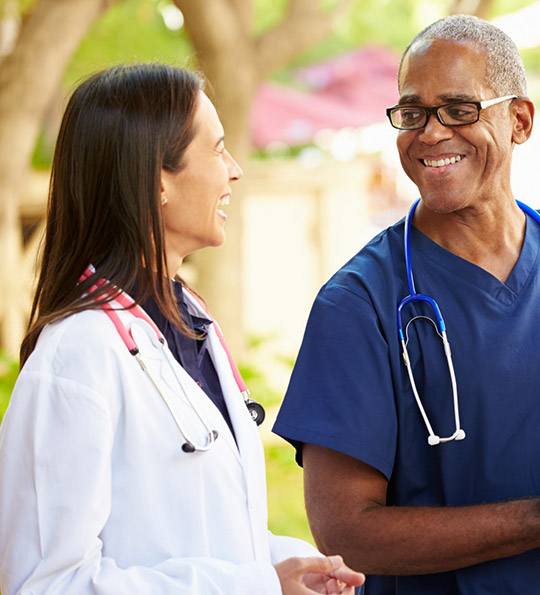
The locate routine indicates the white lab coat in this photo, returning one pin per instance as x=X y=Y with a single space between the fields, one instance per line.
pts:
x=96 y=494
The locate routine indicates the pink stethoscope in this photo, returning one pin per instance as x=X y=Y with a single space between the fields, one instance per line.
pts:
x=127 y=303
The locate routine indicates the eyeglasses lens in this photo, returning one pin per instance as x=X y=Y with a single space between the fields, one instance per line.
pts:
x=455 y=114
x=459 y=113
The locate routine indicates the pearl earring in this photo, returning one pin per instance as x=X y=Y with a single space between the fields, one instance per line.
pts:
x=164 y=201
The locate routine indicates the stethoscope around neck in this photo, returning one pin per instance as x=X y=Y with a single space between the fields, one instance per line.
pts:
x=459 y=433
x=142 y=319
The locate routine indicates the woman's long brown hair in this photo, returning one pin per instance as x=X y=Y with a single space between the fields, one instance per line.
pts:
x=120 y=128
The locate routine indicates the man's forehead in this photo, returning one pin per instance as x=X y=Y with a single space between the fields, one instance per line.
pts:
x=443 y=68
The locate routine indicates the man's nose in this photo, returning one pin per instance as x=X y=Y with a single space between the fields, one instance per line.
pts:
x=434 y=131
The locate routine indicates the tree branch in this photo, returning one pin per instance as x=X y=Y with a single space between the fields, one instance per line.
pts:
x=65 y=21
x=479 y=8
x=211 y=25
x=304 y=25
x=244 y=12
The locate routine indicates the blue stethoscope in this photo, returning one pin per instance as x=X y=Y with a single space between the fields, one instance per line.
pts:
x=459 y=433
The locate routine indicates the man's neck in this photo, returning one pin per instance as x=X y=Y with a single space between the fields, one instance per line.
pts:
x=490 y=237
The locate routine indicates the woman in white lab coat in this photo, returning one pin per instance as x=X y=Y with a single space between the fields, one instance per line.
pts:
x=122 y=471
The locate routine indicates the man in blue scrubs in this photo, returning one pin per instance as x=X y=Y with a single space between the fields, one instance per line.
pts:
x=462 y=516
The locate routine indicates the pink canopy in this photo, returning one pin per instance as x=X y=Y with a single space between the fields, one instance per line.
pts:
x=351 y=90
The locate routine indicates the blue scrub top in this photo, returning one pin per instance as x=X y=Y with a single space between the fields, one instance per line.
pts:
x=350 y=391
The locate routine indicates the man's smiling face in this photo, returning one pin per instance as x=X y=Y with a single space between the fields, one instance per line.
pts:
x=453 y=167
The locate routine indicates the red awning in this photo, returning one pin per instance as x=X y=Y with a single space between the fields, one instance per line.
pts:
x=351 y=90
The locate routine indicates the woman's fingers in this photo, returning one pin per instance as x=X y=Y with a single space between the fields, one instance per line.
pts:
x=304 y=576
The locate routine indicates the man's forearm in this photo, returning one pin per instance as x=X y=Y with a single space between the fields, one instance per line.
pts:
x=346 y=506
x=418 y=540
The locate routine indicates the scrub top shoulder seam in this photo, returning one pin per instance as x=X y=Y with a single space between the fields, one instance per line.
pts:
x=357 y=451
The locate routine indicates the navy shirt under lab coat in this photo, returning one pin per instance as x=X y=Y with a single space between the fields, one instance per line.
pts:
x=192 y=354
x=350 y=391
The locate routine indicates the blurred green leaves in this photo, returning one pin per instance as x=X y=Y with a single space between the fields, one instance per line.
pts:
x=9 y=369
x=130 y=31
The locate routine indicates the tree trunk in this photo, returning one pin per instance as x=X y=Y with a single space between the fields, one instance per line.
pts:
x=479 y=8
x=235 y=62
x=29 y=77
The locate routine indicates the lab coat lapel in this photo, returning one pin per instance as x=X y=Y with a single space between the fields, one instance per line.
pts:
x=233 y=398
x=247 y=438
x=152 y=353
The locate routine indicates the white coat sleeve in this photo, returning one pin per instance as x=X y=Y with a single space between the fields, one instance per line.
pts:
x=55 y=498
x=283 y=547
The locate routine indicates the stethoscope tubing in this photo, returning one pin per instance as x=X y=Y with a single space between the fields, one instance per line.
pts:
x=433 y=439
x=118 y=297
x=459 y=433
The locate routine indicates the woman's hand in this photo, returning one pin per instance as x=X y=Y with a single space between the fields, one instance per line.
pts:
x=306 y=576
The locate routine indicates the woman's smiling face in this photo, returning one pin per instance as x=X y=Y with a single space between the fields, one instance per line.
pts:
x=192 y=214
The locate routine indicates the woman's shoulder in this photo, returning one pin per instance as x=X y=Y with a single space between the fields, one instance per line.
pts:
x=76 y=345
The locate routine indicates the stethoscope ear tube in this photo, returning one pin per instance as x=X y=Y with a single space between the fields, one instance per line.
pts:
x=459 y=433
x=189 y=446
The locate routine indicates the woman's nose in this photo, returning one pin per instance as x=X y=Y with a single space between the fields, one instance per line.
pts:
x=235 y=171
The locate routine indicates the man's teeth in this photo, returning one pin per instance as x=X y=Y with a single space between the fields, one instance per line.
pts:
x=223 y=201
x=441 y=162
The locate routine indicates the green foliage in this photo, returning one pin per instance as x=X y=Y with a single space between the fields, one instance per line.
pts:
x=9 y=370
x=531 y=61
x=43 y=151
x=268 y=13
x=506 y=6
x=130 y=31
x=20 y=6
x=286 y=510
x=254 y=374
x=258 y=385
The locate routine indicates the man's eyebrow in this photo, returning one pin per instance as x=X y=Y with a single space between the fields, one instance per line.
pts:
x=446 y=98
x=457 y=97
x=409 y=99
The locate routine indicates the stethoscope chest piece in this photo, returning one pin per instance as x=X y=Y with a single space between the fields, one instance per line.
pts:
x=256 y=410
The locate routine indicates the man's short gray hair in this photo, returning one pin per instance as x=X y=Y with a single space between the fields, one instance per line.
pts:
x=505 y=73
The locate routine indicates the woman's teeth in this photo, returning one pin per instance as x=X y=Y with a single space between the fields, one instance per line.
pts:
x=441 y=162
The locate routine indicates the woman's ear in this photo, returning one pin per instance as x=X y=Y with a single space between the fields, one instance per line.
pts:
x=523 y=110
x=163 y=186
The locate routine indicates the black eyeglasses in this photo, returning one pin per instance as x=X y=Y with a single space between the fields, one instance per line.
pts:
x=412 y=117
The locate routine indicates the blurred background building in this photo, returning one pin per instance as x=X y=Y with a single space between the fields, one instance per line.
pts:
x=301 y=87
